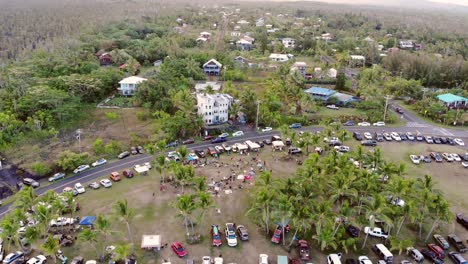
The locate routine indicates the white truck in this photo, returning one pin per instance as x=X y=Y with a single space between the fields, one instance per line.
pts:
x=376 y=232
x=62 y=221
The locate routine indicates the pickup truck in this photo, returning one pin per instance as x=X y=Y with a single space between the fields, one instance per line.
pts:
x=376 y=231
x=458 y=243
x=62 y=221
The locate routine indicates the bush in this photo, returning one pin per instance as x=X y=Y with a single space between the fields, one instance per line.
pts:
x=68 y=160
x=142 y=116
x=98 y=146
x=113 y=148
x=40 y=168
x=112 y=116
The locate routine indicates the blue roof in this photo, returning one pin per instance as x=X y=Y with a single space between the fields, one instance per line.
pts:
x=320 y=91
x=450 y=98
x=88 y=220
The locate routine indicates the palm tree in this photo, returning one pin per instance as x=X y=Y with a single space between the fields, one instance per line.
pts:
x=89 y=236
x=262 y=204
x=185 y=204
x=326 y=238
x=300 y=217
x=183 y=153
x=440 y=211
x=125 y=213
x=43 y=216
x=122 y=251
x=184 y=174
x=400 y=244
x=10 y=231
x=205 y=202
x=25 y=198
x=282 y=211
x=51 y=247
x=102 y=226
x=200 y=184
x=161 y=166
x=377 y=208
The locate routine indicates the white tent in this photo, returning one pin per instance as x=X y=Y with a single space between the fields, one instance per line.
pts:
x=252 y=145
x=241 y=146
x=141 y=169
x=278 y=145
x=151 y=242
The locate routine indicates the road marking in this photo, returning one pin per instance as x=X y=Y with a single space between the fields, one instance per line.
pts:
x=415 y=124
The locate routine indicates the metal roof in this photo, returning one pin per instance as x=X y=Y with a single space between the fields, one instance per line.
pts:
x=450 y=98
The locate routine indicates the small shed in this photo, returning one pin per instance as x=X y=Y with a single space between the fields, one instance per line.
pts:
x=151 y=242
x=278 y=145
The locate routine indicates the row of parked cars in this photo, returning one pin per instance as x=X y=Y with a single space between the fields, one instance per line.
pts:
x=395 y=136
x=440 y=157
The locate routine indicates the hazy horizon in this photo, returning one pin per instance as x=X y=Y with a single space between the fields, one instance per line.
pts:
x=387 y=2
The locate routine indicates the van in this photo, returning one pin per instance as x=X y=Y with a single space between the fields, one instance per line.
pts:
x=415 y=254
x=383 y=253
x=276 y=138
x=124 y=155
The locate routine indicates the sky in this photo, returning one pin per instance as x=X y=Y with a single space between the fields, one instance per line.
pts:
x=391 y=2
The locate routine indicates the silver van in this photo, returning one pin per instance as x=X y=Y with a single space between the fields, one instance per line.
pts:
x=383 y=253
x=415 y=254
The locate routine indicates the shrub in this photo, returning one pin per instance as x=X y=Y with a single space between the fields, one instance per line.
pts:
x=40 y=168
x=112 y=115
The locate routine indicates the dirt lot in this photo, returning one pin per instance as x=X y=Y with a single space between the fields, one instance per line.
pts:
x=155 y=214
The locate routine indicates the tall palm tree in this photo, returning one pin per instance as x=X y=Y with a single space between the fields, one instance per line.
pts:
x=125 y=213
x=440 y=211
x=122 y=251
x=282 y=211
x=186 y=205
x=200 y=184
x=161 y=166
x=205 y=202
x=25 y=198
x=183 y=153
x=103 y=226
x=51 y=247
x=262 y=204
x=10 y=231
x=90 y=236
x=300 y=217
x=326 y=238
x=184 y=174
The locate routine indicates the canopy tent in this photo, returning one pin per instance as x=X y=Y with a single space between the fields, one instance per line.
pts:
x=278 y=144
x=241 y=146
x=151 y=242
x=141 y=169
x=88 y=221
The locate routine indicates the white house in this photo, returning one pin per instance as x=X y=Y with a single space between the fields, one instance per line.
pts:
x=204 y=34
x=235 y=34
x=214 y=108
x=129 y=85
x=406 y=44
x=280 y=57
x=299 y=66
x=332 y=73
x=288 y=42
x=243 y=22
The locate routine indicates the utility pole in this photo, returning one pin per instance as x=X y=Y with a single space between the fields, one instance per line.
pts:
x=387 y=97
x=78 y=136
x=256 y=120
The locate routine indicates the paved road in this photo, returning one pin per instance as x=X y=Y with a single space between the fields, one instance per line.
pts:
x=104 y=170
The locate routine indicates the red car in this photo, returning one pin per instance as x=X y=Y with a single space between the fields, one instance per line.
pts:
x=179 y=249
x=276 y=238
x=437 y=250
x=304 y=251
x=216 y=236
x=209 y=137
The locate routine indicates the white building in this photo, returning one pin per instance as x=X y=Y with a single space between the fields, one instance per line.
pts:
x=332 y=73
x=129 y=85
x=288 y=42
x=406 y=44
x=214 y=108
x=235 y=34
x=280 y=57
x=299 y=66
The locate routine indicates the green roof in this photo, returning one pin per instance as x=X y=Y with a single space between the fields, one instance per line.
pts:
x=450 y=98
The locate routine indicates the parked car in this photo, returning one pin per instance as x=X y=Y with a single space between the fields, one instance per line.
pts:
x=395 y=136
x=426 y=159
x=94 y=185
x=349 y=123
x=429 y=140
x=437 y=140
x=410 y=136
x=419 y=137
x=226 y=147
x=77 y=260
x=357 y=136
x=440 y=253
x=140 y=150
x=304 y=250
x=238 y=133
x=212 y=151
x=363 y=124
x=79 y=188
x=128 y=173
x=224 y=135
x=455 y=157
x=415 y=254
x=39 y=259
x=215 y=236
x=57 y=176
x=134 y=151
x=462 y=219
x=447 y=157
x=205 y=260
x=294 y=151
x=295 y=125
x=403 y=136
x=266 y=129
x=376 y=232
x=465 y=164
x=334 y=259
x=14 y=257
x=219 y=149
x=267 y=142
x=208 y=137
x=263 y=259
x=188 y=141
x=230 y=232
x=367 y=135
x=370 y=143
x=436 y=156
x=342 y=149
x=450 y=141
x=352 y=230
x=106 y=183
x=441 y=241
x=459 y=142
x=431 y=256
x=115 y=176
x=415 y=159
x=81 y=168
x=123 y=155
x=243 y=233
x=99 y=162
x=364 y=260
x=31 y=182
x=333 y=107
x=172 y=144
x=276 y=238
x=179 y=249
x=457 y=258
x=379 y=137
x=218 y=140
x=457 y=243
x=387 y=136
x=200 y=153
x=380 y=124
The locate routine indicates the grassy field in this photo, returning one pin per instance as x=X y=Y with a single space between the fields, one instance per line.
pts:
x=156 y=215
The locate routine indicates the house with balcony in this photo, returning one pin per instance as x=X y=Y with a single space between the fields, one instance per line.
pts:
x=288 y=43
x=212 y=68
x=214 y=108
x=129 y=85
x=300 y=67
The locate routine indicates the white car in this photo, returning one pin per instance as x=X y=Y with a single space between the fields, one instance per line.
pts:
x=342 y=148
x=415 y=159
x=238 y=133
x=148 y=165
x=465 y=164
x=395 y=136
x=81 y=168
x=39 y=259
x=263 y=259
x=106 y=183
x=224 y=135
x=206 y=260
x=94 y=185
x=266 y=129
x=192 y=156
x=447 y=157
x=367 y=135
x=333 y=107
x=230 y=233
x=363 y=124
x=99 y=162
x=380 y=123
x=334 y=259
x=364 y=260
x=218 y=260
x=79 y=188
x=410 y=136
x=459 y=142
x=226 y=147
x=455 y=157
